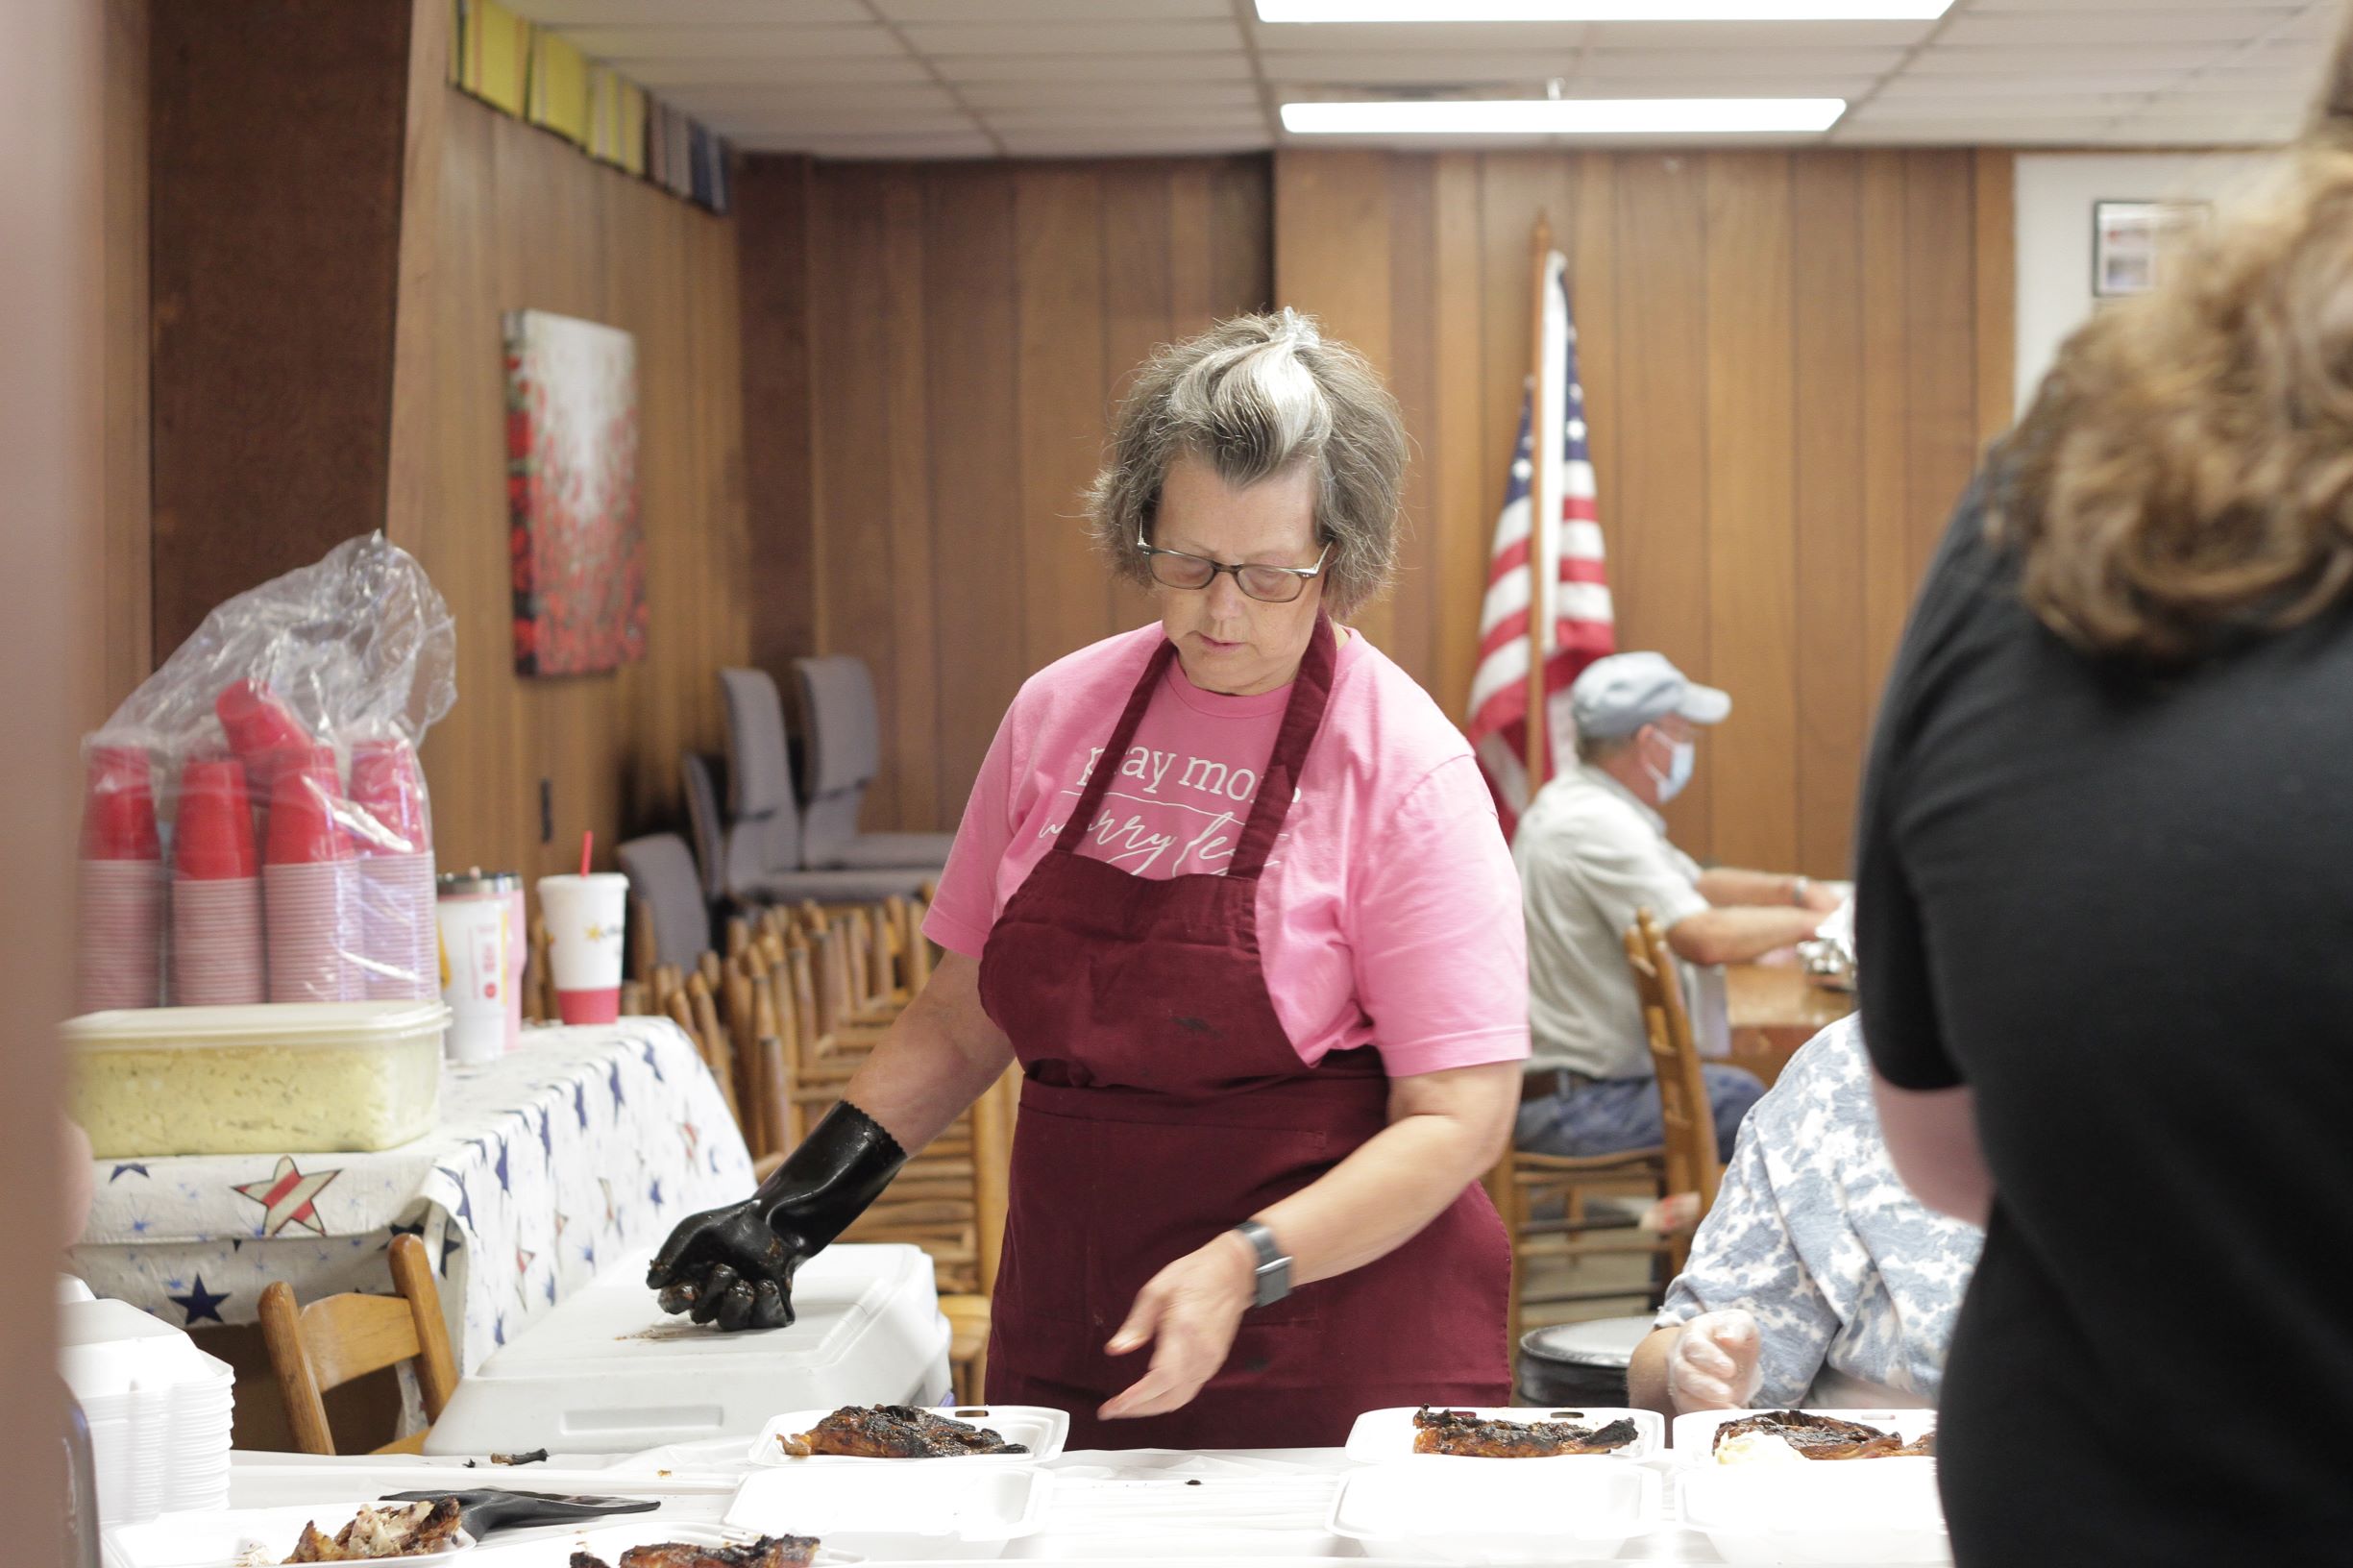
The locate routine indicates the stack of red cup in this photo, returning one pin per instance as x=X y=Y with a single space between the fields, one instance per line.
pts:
x=265 y=736
x=310 y=884
x=120 y=960
x=216 y=890
x=395 y=841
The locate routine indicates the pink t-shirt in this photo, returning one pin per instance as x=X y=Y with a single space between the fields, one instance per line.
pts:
x=1390 y=912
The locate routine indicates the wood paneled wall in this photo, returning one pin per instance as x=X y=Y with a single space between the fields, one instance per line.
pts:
x=130 y=544
x=526 y=220
x=969 y=328
x=1789 y=359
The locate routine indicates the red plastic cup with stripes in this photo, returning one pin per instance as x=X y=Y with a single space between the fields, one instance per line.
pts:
x=311 y=886
x=395 y=844
x=217 y=945
x=119 y=916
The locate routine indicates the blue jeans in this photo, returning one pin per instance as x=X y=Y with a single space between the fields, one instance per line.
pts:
x=1612 y=1115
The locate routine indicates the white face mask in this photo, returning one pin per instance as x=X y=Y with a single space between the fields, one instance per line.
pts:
x=1679 y=762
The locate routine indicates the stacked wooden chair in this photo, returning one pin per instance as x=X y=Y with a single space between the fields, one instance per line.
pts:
x=1690 y=1160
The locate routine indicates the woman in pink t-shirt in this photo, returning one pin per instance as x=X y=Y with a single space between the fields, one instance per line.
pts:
x=1231 y=890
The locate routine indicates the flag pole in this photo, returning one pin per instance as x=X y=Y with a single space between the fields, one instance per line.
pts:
x=1543 y=513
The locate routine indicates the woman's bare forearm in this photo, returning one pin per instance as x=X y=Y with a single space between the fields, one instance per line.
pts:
x=1446 y=1131
x=938 y=1057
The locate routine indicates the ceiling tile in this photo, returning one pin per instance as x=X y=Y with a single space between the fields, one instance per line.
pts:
x=2086 y=60
x=781 y=71
x=1125 y=144
x=1961 y=90
x=1230 y=66
x=2295 y=84
x=2217 y=24
x=1969 y=133
x=803 y=100
x=963 y=144
x=1438 y=68
x=2058 y=105
x=1157 y=122
x=1054 y=11
x=1423 y=38
x=1759 y=34
x=734 y=42
x=1199 y=97
x=1074 y=39
x=1668 y=65
x=687 y=12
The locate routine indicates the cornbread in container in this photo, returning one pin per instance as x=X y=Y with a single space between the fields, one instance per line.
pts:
x=286 y=1078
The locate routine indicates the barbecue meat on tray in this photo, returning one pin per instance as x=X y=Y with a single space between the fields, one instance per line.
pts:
x=894 y=1432
x=1826 y=1438
x=768 y=1552
x=1460 y=1432
x=375 y=1533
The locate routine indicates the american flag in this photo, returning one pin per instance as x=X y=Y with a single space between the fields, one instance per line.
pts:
x=1583 y=627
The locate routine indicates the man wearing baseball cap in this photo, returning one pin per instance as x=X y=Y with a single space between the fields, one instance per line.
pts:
x=1592 y=850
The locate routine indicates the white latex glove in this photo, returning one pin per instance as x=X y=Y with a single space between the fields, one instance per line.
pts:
x=1712 y=1365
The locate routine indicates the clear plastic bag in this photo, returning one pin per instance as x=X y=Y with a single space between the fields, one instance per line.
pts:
x=257 y=826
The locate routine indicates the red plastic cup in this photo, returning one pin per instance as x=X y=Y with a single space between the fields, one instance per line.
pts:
x=215 y=841
x=305 y=825
x=386 y=785
x=118 y=810
x=257 y=721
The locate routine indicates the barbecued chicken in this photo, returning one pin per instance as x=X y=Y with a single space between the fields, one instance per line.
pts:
x=894 y=1432
x=1826 y=1437
x=1460 y=1432
x=768 y=1552
x=409 y=1529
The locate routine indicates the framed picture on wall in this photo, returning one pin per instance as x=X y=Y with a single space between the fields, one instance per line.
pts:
x=576 y=552
x=2131 y=242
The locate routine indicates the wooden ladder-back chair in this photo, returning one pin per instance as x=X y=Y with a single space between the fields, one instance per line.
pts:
x=337 y=1338
x=1692 y=1164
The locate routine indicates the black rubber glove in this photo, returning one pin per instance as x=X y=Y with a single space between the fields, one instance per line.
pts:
x=734 y=1266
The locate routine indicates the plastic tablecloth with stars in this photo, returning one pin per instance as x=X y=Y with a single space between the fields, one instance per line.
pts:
x=581 y=1145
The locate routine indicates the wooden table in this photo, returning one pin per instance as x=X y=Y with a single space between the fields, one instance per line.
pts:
x=1775 y=1008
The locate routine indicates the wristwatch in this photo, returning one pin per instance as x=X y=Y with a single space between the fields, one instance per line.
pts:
x=1274 y=1269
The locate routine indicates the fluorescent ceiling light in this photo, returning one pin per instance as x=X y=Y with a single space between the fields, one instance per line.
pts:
x=1564 y=116
x=1601 y=11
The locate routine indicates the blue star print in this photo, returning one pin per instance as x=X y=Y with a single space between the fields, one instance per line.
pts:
x=119 y=1169
x=614 y=1078
x=652 y=1060
x=202 y=1306
x=500 y=1168
x=579 y=1102
x=656 y=1194
x=546 y=1139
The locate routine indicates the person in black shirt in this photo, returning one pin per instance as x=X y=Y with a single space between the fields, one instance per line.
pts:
x=2105 y=918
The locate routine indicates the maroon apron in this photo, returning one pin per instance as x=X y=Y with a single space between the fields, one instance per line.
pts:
x=1162 y=1103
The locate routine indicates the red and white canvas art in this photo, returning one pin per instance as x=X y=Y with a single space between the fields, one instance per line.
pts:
x=576 y=548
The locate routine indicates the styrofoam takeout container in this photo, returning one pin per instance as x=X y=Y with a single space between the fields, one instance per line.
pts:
x=607 y=1542
x=1037 y=1428
x=1552 y=1510
x=1876 y=1511
x=1695 y=1433
x=219 y=1537
x=294 y=1078
x=1382 y=1437
x=609 y=1372
x=912 y=1513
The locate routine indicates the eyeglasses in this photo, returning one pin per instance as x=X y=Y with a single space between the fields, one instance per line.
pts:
x=1268 y=585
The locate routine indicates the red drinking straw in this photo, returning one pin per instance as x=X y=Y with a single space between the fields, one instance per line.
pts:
x=588 y=839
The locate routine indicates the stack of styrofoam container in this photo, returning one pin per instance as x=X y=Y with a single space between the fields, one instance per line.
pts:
x=159 y=1411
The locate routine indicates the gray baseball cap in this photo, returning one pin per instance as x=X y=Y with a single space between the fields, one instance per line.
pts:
x=1616 y=696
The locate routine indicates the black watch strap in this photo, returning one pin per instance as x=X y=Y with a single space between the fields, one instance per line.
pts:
x=1274 y=1269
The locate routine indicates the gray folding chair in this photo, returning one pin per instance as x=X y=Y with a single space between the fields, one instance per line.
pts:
x=704 y=823
x=662 y=876
x=760 y=861
x=844 y=733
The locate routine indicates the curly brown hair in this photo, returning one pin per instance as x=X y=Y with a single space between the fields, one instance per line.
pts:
x=2185 y=473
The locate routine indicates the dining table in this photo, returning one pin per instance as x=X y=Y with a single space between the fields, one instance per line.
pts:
x=1774 y=1009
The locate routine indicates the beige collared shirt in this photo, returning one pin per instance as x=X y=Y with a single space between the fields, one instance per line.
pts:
x=1590 y=855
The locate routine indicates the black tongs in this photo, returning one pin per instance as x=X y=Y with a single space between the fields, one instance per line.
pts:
x=482 y=1512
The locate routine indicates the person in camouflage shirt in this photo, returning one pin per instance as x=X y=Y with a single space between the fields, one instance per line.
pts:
x=1817 y=1280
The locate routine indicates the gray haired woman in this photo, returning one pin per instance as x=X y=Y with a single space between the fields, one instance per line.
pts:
x=1230 y=888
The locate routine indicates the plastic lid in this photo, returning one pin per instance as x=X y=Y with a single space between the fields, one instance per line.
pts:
x=474 y=879
x=261 y=1024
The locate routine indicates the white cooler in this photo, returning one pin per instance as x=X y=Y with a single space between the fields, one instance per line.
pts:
x=609 y=1372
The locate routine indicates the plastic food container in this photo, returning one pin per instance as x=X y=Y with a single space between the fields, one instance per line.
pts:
x=1871 y=1511
x=1695 y=1434
x=299 y=1078
x=1439 y=1510
x=925 y=1513
x=1036 y=1427
x=226 y=1537
x=1384 y=1436
x=609 y=1372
